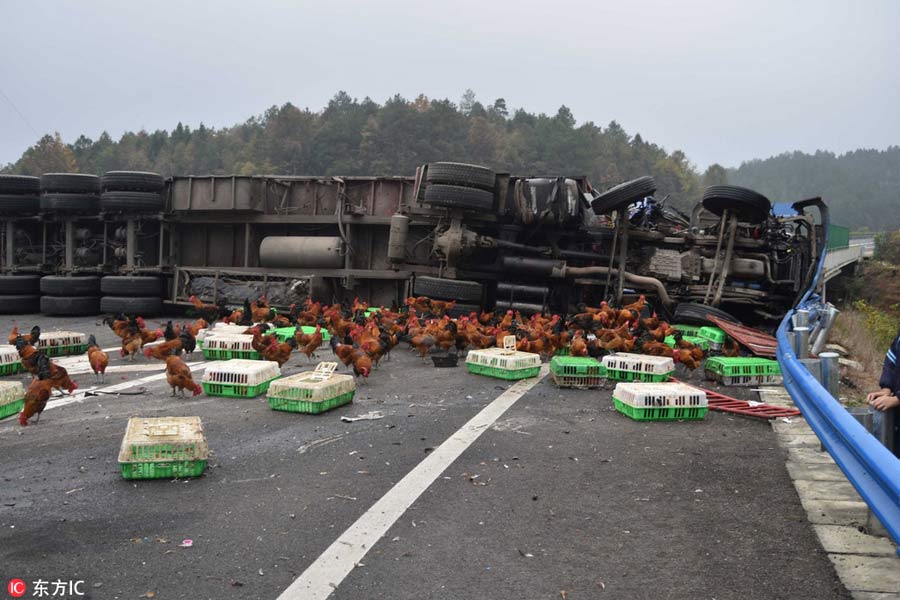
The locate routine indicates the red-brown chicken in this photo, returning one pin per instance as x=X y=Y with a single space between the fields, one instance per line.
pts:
x=178 y=376
x=35 y=400
x=97 y=358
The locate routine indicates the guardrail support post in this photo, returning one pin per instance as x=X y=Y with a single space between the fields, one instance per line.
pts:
x=831 y=373
x=801 y=342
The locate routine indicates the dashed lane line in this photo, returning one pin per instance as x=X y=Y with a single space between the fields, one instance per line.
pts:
x=327 y=572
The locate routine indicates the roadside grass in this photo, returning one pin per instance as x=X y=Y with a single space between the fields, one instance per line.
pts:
x=866 y=332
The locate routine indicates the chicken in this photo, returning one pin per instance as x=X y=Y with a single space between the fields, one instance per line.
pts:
x=131 y=345
x=171 y=331
x=121 y=325
x=161 y=351
x=260 y=311
x=57 y=375
x=687 y=358
x=313 y=343
x=578 y=347
x=279 y=353
x=197 y=325
x=178 y=376
x=32 y=338
x=35 y=400
x=188 y=341
x=730 y=347
x=362 y=364
x=208 y=312
x=97 y=358
x=655 y=348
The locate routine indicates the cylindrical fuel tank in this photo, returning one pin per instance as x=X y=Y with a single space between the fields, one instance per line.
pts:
x=397 y=237
x=301 y=252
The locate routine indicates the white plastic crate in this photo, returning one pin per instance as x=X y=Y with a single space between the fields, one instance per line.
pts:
x=61 y=338
x=217 y=341
x=639 y=363
x=313 y=386
x=11 y=391
x=8 y=354
x=202 y=334
x=228 y=328
x=507 y=357
x=656 y=395
x=238 y=371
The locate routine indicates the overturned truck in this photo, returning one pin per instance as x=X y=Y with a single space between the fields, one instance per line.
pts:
x=454 y=231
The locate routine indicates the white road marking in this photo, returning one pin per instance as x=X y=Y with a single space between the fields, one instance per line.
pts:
x=327 y=572
x=79 y=396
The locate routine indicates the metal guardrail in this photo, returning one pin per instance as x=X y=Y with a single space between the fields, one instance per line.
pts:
x=872 y=469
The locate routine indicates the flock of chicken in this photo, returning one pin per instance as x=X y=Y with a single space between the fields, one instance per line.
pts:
x=361 y=338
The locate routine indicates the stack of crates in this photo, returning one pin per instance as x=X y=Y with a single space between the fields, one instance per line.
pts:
x=12 y=398
x=623 y=366
x=10 y=361
x=577 y=371
x=312 y=392
x=505 y=362
x=743 y=371
x=165 y=447
x=240 y=378
x=62 y=343
x=714 y=335
x=660 y=401
x=692 y=330
x=229 y=346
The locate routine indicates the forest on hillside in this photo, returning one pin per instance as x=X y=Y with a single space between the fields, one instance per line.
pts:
x=861 y=187
x=363 y=137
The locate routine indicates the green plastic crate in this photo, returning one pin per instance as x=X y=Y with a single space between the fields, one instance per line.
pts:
x=13 y=408
x=283 y=333
x=621 y=375
x=740 y=370
x=665 y=413
x=577 y=381
x=702 y=343
x=577 y=365
x=165 y=447
x=163 y=470
x=11 y=368
x=500 y=373
x=713 y=334
x=71 y=350
x=309 y=406
x=233 y=390
x=215 y=354
x=687 y=329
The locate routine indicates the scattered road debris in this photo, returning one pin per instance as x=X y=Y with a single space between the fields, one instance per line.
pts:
x=369 y=416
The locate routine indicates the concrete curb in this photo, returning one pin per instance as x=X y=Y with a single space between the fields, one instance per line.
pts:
x=867 y=565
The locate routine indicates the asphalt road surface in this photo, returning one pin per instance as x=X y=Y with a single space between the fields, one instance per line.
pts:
x=559 y=496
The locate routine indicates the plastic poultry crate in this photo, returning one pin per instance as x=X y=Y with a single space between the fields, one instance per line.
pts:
x=577 y=371
x=312 y=392
x=715 y=336
x=229 y=346
x=62 y=343
x=624 y=366
x=165 y=447
x=283 y=333
x=743 y=371
x=687 y=329
x=10 y=361
x=504 y=363
x=660 y=401
x=12 y=398
x=240 y=378
x=702 y=343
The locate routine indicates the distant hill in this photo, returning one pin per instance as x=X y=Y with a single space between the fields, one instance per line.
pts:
x=861 y=187
x=363 y=137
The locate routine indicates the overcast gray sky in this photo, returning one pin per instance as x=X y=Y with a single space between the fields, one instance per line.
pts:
x=724 y=81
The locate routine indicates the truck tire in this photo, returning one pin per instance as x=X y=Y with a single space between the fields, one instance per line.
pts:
x=128 y=285
x=70 y=287
x=19 y=304
x=19 y=203
x=20 y=185
x=694 y=313
x=454 y=196
x=749 y=206
x=70 y=183
x=463 y=310
x=145 y=307
x=131 y=181
x=131 y=202
x=448 y=289
x=461 y=174
x=70 y=203
x=20 y=284
x=623 y=195
x=70 y=305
